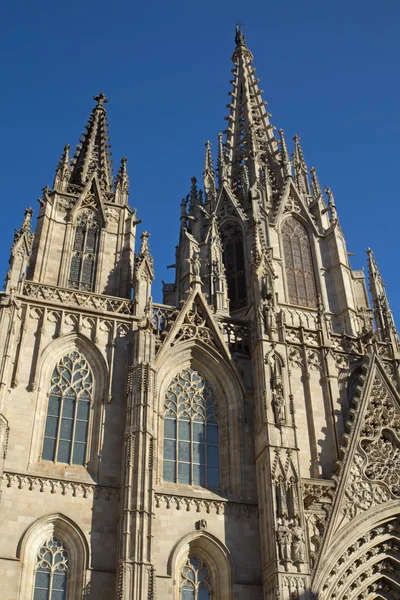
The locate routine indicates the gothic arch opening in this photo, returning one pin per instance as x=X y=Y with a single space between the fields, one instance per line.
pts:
x=234 y=261
x=84 y=251
x=211 y=555
x=299 y=270
x=70 y=547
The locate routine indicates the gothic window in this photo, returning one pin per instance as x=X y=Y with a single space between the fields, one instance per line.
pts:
x=195 y=580
x=233 y=256
x=81 y=274
x=191 y=449
x=66 y=432
x=298 y=264
x=51 y=572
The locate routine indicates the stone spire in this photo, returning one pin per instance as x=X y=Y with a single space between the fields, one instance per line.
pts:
x=249 y=134
x=63 y=171
x=92 y=154
x=210 y=187
x=383 y=315
x=285 y=160
x=300 y=168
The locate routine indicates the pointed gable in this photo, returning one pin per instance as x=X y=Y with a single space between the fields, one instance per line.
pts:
x=196 y=323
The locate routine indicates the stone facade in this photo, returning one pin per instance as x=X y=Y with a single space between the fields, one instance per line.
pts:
x=266 y=344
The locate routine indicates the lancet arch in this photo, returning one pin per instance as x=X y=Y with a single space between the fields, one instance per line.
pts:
x=228 y=394
x=51 y=356
x=214 y=555
x=298 y=263
x=72 y=538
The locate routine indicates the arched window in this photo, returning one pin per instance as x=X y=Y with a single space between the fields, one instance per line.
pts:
x=298 y=264
x=191 y=449
x=195 y=580
x=233 y=256
x=67 y=422
x=51 y=573
x=81 y=274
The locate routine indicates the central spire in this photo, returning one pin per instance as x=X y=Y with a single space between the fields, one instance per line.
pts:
x=92 y=154
x=249 y=136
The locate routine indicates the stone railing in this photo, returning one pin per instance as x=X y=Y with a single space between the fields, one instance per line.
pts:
x=85 y=300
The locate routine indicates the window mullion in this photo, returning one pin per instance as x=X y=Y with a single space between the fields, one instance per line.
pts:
x=177 y=451
x=59 y=428
x=73 y=430
x=191 y=450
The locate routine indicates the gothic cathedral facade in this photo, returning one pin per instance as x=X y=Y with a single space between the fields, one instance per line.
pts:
x=240 y=441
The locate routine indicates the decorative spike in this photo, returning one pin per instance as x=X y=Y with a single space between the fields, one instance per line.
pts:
x=122 y=179
x=300 y=168
x=193 y=196
x=287 y=171
x=209 y=177
x=221 y=161
x=316 y=191
x=63 y=170
x=383 y=315
x=93 y=155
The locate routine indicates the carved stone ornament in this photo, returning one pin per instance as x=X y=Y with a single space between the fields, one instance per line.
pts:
x=375 y=471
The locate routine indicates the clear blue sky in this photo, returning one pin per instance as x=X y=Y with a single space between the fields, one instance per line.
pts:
x=330 y=71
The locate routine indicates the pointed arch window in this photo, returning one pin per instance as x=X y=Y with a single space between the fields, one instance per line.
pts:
x=191 y=439
x=233 y=256
x=51 y=572
x=195 y=580
x=299 y=269
x=67 y=422
x=85 y=248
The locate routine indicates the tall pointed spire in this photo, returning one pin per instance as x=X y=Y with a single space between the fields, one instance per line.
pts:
x=249 y=134
x=300 y=168
x=92 y=154
x=382 y=313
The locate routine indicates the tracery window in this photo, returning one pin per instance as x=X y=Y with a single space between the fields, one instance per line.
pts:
x=81 y=274
x=298 y=264
x=191 y=447
x=65 y=437
x=233 y=256
x=195 y=580
x=51 y=572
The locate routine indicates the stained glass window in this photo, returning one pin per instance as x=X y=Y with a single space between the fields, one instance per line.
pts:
x=51 y=571
x=233 y=256
x=67 y=422
x=81 y=274
x=191 y=446
x=195 y=580
x=298 y=264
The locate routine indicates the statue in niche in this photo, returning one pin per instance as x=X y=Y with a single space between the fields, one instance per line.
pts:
x=278 y=402
x=298 y=543
x=284 y=539
x=195 y=264
x=278 y=398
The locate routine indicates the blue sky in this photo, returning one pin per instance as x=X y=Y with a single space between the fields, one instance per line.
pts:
x=330 y=72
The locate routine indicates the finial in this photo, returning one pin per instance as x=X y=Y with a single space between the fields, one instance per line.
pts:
x=239 y=37
x=100 y=99
x=315 y=186
x=122 y=179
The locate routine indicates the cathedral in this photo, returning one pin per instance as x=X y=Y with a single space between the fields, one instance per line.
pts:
x=239 y=441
